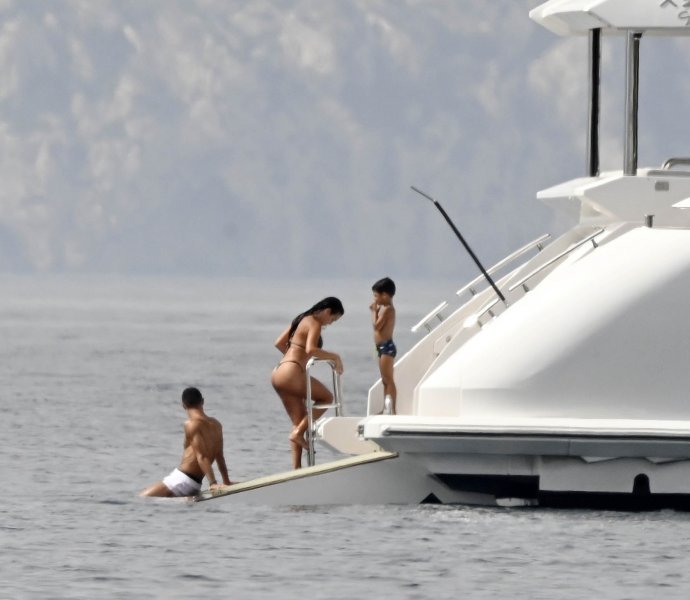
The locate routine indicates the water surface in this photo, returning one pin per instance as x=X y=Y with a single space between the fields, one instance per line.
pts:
x=92 y=371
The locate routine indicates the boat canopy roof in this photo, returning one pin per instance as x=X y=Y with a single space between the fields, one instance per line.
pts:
x=578 y=17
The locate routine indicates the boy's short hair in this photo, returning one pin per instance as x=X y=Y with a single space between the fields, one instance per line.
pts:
x=192 y=397
x=384 y=286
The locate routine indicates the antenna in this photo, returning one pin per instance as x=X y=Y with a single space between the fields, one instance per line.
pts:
x=463 y=242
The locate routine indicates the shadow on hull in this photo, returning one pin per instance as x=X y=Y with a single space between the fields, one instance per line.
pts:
x=524 y=491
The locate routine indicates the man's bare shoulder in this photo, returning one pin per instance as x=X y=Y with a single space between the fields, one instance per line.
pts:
x=193 y=425
x=216 y=422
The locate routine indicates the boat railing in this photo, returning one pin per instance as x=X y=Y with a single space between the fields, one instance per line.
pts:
x=428 y=321
x=476 y=318
x=471 y=287
x=675 y=161
x=311 y=405
x=523 y=280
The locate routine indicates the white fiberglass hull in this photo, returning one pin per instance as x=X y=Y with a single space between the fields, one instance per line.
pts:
x=555 y=462
x=612 y=464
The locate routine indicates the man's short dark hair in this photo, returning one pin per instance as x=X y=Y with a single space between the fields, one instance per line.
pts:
x=192 y=397
x=384 y=286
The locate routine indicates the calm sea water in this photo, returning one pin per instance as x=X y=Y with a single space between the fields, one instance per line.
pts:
x=92 y=371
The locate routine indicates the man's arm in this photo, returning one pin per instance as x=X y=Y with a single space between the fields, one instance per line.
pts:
x=220 y=459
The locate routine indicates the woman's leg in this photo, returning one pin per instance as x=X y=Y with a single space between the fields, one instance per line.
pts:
x=286 y=383
x=320 y=395
x=289 y=383
x=294 y=406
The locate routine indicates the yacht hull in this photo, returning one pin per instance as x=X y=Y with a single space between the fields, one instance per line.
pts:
x=640 y=472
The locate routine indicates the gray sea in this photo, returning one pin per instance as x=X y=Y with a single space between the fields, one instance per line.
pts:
x=91 y=374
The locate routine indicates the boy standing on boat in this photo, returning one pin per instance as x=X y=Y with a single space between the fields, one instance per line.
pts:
x=203 y=445
x=383 y=321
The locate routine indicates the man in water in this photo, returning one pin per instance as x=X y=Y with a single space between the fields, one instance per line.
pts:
x=203 y=445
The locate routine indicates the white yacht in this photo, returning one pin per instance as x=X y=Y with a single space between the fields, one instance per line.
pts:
x=562 y=378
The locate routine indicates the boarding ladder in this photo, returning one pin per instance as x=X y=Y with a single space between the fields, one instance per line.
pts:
x=337 y=404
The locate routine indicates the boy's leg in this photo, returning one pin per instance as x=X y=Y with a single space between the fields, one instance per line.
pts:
x=386 y=368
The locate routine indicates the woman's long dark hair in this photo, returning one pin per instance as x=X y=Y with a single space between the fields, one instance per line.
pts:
x=331 y=302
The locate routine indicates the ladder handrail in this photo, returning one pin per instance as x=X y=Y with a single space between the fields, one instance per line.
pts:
x=310 y=405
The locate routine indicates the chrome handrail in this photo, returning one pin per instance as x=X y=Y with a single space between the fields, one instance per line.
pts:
x=310 y=405
x=672 y=162
x=548 y=263
x=537 y=243
x=435 y=313
x=475 y=319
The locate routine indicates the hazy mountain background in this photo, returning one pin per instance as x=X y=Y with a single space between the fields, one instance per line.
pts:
x=280 y=138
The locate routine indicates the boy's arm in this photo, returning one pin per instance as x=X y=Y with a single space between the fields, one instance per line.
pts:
x=381 y=317
x=374 y=308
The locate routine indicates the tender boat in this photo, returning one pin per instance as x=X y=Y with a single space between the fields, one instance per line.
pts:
x=562 y=377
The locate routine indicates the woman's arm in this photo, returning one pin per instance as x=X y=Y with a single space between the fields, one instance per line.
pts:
x=312 y=346
x=282 y=341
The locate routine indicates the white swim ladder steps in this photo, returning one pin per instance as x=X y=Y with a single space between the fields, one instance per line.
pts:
x=337 y=404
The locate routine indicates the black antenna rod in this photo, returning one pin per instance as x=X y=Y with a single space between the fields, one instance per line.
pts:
x=464 y=243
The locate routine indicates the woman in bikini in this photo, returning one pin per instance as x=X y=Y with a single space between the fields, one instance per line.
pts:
x=299 y=343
